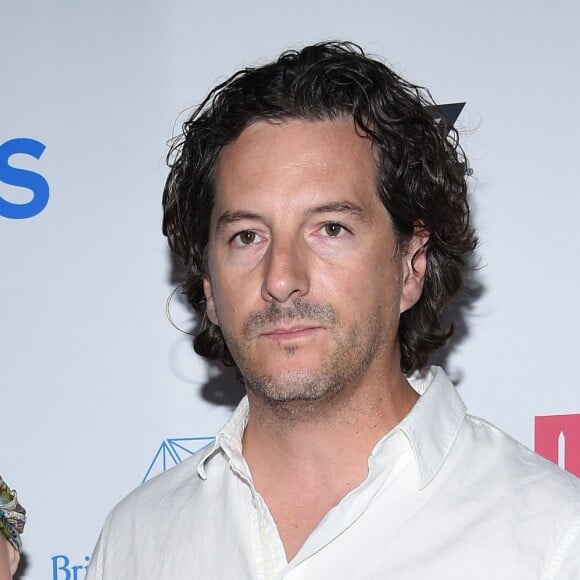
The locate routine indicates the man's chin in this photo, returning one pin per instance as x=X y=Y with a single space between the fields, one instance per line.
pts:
x=293 y=386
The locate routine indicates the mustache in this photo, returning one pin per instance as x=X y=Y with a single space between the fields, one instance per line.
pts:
x=298 y=310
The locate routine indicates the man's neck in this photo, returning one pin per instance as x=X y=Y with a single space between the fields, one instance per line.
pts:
x=351 y=417
x=305 y=456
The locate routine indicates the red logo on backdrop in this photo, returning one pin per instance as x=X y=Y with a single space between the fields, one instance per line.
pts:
x=558 y=439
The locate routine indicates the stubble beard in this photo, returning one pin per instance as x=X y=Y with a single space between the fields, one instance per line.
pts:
x=354 y=349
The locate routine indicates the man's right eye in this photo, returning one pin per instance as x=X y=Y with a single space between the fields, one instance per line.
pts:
x=245 y=238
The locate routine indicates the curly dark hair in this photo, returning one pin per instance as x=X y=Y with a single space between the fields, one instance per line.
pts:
x=420 y=172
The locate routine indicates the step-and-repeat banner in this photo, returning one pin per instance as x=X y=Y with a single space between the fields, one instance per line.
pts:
x=99 y=390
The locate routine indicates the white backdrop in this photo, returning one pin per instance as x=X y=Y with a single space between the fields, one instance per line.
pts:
x=96 y=383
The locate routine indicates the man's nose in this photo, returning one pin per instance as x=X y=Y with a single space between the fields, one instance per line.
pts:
x=285 y=272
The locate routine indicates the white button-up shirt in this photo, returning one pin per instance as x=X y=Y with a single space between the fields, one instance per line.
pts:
x=448 y=496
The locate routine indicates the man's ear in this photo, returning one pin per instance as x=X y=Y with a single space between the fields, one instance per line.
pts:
x=210 y=303
x=414 y=256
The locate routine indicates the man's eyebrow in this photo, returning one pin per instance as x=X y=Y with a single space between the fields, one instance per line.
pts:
x=346 y=207
x=230 y=217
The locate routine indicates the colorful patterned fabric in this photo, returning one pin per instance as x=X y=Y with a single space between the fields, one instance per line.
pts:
x=12 y=515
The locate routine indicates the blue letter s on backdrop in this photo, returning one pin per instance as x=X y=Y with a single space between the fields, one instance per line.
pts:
x=22 y=178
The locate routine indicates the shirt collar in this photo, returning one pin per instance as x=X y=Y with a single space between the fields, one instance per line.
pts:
x=431 y=427
x=229 y=439
x=433 y=424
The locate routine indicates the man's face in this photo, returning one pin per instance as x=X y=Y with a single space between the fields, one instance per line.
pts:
x=305 y=278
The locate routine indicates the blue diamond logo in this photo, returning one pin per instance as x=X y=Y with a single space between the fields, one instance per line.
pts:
x=174 y=451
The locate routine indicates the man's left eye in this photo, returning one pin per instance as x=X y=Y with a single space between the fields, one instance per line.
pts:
x=333 y=230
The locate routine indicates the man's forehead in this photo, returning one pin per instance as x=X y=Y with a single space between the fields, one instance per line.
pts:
x=296 y=166
x=295 y=137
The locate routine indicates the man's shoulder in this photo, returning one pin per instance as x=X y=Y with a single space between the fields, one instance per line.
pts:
x=164 y=492
x=164 y=511
x=519 y=497
x=497 y=456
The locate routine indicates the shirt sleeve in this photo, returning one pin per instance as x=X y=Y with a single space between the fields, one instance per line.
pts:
x=95 y=571
x=565 y=565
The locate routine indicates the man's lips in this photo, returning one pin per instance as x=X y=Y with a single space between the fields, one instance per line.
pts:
x=290 y=332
